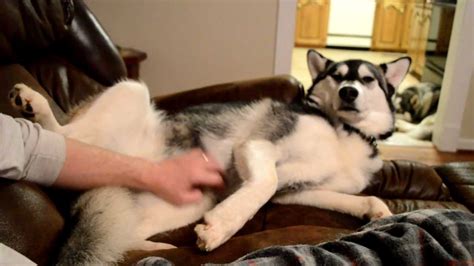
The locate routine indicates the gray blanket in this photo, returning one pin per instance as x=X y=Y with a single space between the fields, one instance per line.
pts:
x=424 y=237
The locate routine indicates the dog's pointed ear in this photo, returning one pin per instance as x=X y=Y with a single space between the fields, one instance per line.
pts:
x=396 y=70
x=317 y=63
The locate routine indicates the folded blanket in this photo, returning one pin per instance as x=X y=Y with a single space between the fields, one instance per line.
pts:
x=424 y=237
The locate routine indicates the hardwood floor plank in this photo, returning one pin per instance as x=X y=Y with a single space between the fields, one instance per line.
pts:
x=426 y=155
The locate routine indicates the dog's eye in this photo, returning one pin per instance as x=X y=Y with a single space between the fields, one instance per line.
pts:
x=337 y=77
x=367 y=79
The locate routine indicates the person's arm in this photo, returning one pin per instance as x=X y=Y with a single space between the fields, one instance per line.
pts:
x=27 y=152
x=30 y=153
x=177 y=180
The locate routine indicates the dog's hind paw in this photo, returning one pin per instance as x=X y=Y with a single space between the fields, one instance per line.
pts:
x=377 y=209
x=29 y=102
x=210 y=236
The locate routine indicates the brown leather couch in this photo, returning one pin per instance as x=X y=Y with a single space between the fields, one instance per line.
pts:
x=58 y=48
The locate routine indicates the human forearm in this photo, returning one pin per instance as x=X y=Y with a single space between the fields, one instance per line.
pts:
x=88 y=166
x=177 y=180
x=30 y=153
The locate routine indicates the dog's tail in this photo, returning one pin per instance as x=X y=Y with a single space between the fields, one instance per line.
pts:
x=103 y=232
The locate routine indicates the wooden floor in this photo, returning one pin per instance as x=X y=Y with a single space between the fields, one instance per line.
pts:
x=425 y=155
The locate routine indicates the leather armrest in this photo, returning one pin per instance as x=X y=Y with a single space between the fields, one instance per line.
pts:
x=459 y=177
x=27 y=27
x=29 y=221
x=408 y=180
x=64 y=82
x=284 y=88
x=89 y=47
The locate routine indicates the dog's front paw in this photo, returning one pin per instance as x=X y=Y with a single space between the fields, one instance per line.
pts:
x=29 y=102
x=211 y=235
x=377 y=209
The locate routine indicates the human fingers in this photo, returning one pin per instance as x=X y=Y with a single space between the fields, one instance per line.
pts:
x=209 y=179
x=205 y=171
x=212 y=163
x=191 y=196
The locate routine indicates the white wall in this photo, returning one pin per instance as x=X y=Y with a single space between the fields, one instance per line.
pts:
x=193 y=43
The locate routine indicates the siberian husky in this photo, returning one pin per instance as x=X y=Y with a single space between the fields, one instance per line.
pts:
x=415 y=109
x=319 y=151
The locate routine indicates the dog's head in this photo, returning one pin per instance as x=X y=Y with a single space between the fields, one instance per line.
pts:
x=417 y=102
x=357 y=92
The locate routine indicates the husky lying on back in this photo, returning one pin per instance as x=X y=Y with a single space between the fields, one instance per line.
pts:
x=316 y=152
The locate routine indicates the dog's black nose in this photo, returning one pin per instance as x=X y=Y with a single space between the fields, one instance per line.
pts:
x=348 y=94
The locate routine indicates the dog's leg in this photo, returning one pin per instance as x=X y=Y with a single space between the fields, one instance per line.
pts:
x=424 y=129
x=157 y=215
x=34 y=107
x=404 y=126
x=255 y=162
x=360 y=206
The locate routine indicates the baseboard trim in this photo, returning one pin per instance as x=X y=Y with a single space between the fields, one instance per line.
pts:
x=466 y=144
x=446 y=136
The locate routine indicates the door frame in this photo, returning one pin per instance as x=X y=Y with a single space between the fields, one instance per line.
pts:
x=456 y=82
x=285 y=36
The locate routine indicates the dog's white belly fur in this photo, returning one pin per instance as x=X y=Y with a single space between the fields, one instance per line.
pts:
x=111 y=122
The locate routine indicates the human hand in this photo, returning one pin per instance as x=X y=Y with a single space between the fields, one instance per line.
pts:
x=179 y=179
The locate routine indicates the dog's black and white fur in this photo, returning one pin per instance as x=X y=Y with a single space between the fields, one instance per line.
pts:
x=318 y=152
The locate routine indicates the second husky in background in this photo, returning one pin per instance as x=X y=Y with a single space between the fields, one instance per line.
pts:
x=319 y=151
x=416 y=110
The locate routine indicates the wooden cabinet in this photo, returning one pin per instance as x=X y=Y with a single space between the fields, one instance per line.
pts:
x=312 y=23
x=390 y=25
x=418 y=39
x=407 y=27
x=403 y=26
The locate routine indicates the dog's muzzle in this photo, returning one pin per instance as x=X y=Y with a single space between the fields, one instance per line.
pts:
x=348 y=94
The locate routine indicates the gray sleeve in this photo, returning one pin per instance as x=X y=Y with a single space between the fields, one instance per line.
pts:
x=28 y=152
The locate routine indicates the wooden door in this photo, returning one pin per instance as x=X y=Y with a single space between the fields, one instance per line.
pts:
x=407 y=26
x=445 y=27
x=312 y=19
x=388 y=25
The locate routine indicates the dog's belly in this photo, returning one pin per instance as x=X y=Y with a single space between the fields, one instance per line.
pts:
x=140 y=138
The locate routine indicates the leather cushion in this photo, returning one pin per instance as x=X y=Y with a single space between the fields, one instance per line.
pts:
x=241 y=245
x=33 y=225
x=459 y=177
x=408 y=180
